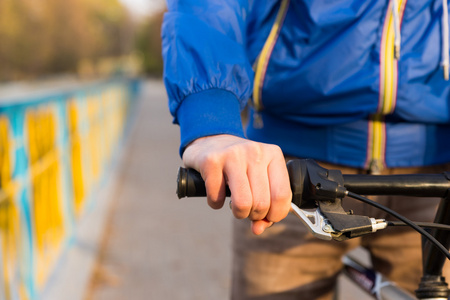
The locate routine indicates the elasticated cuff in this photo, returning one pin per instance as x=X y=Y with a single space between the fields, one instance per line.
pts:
x=208 y=113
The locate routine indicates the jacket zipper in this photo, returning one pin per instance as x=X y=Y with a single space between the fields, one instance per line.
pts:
x=263 y=61
x=376 y=149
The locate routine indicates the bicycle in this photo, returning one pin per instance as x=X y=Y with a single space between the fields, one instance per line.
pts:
x=317 y=201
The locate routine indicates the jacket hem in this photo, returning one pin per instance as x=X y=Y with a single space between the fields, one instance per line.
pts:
x=207 y=113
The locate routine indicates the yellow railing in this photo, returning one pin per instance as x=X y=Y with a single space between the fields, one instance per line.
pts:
x=54 y=152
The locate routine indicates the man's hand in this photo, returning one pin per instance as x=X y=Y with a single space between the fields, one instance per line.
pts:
x=255 y=173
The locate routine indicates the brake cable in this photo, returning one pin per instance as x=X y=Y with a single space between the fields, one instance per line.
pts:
x=429 y=225
x=404 y=220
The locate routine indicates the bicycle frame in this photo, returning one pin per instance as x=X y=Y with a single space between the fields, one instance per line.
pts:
x=432 y=285
x=372 y=282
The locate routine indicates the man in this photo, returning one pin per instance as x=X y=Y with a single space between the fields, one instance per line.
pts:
x=357 y=85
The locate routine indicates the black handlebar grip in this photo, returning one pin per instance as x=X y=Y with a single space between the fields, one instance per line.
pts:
x=190 y=184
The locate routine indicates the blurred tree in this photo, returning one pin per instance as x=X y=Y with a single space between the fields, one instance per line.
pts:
x=52 y=36
x=148 y=43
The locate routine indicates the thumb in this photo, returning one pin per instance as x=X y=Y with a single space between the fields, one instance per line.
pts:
x=259 y=226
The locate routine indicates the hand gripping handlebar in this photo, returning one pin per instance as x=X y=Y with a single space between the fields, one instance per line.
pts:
x=318 y=192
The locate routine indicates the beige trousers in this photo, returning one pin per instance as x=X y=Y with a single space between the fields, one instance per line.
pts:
x=286 y=262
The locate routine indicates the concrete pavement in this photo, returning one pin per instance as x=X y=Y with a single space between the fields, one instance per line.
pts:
x=156 y=246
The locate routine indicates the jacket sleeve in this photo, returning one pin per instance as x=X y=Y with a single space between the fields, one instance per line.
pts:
x=207 y=74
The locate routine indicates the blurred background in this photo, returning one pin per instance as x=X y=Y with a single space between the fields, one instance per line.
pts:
x=88 y=161
x=83 y=37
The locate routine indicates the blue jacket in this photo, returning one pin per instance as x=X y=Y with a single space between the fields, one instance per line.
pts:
x=321 y=76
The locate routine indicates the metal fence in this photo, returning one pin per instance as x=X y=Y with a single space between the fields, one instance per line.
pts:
x=54 y=151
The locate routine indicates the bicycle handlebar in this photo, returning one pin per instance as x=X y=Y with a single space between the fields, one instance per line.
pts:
x=191 y=184
x=419 y=185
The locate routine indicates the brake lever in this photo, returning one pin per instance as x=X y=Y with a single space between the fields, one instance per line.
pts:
x=316 y=228
x=323 y=229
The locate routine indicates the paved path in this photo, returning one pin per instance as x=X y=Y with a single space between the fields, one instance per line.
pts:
x=156 y=246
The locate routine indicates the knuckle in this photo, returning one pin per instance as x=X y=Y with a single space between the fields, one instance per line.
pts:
x=277 y=217
x=255 y=152
x=212 y=159
x=257 y=149
x=260 y=209
x=278 y=214
x=234 y=153
x=283 y=195
x=282 y=203
x=275 y=148
x=241 y=210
